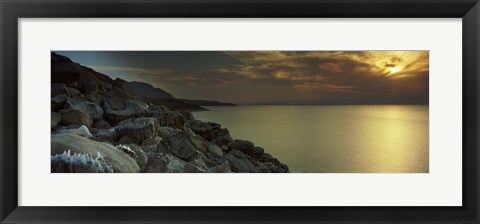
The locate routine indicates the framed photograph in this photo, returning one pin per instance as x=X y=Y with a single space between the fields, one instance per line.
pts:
x=239 y=111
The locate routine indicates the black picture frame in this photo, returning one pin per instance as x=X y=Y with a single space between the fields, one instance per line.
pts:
x=11 y=11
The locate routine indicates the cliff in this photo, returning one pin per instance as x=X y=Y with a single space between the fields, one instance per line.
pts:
x=103 y=125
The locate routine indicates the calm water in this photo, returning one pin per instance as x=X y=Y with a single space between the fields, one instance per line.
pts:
x=333 y=139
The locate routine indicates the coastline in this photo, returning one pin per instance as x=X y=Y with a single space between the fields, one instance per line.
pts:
x=100 y=125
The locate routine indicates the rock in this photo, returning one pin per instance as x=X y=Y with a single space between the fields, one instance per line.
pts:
x=211 y=132
x=265 y=157
x=169 y=118
x=141 y=157
x=120 y=162
x=82 y=131
x=101 y=124
x=167 y=163
x=88 y=83
x=59 y=88
x=126 y=149
x=138 y=129
x=200 y=162
x=105 y=135
x=182 y=148
x=92 y=109
x=116 y=98
x=188 y=116
x=272 y=168
x=54 y=119
x=244 y=146
x=127 y=140
x=240 y=163
x=166 y=132
x=149 y=142
x=183 y=145
x=157 y=108
x=132 y=109
x=201 y=128
x=225 y=148
x=258 y=151
x=77 y=117
x=268 y=159
x=79 y=163
x=221 y=168
x=58 y=102
x=73 y=92
x=215 y=150
x=123 y=85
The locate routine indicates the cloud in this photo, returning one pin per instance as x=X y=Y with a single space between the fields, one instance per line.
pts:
x=295 y=76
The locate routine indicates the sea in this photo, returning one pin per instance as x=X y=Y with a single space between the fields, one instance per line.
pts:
x=333 y=138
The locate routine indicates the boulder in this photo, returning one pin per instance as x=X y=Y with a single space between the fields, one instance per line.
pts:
x=82 y=131
x=105 y=135
x=240 y=162
x=92 y=109
x=138 y=129
x=132 y=109
x=54 y=119
x=244 y=146
x=58 y=89
x=221 y=168
x=124 y=85
x=120 y=161
x=116 y=98
x=76 y=117
x=126 y=149
x=167 y=163
x=100 y=124
x=211 y=132
x=73 y=92
x=200 y=162
x=166 y=132
x=223 y=141
x=258 y=151
x=157 y=108
x=169 y=118
x=188 y=116
x=87 y=83
x=151 y=141
x=140 y=156
x=215 y=150
x=58 y=102
x=183 y=145
x=127 y=140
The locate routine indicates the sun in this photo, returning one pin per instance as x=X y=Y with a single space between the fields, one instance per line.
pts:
x=394 y=70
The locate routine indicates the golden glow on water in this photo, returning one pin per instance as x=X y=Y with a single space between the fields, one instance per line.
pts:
x=333 y=138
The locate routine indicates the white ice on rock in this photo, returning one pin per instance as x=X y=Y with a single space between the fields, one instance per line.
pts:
x=82 y=131
x=128 y=150
x=79 y=163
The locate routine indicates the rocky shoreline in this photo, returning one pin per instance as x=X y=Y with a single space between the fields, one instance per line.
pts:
x=100 y=125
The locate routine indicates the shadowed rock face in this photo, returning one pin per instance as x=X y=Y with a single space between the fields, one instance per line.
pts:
x=75 y=117
x=109 y=127
x=133 y=108
x=167 y=163
x=139 y=129
x=169 y=118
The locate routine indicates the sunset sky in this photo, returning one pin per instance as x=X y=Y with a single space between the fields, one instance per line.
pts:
x=273 y=77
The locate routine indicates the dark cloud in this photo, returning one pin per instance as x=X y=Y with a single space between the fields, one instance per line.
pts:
x=282 y=77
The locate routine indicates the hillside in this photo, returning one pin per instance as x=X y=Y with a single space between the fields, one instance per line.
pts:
x=101 y=125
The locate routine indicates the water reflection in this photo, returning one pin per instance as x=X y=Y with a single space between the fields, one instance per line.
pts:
x=333 y=139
